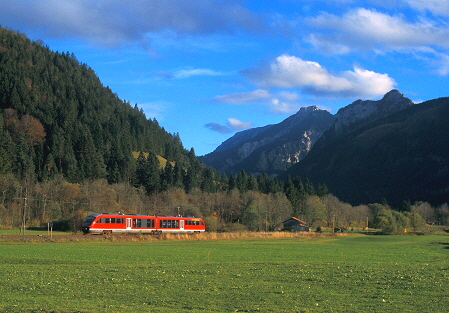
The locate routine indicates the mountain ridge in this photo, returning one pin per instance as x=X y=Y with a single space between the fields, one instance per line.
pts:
x=370 y=151
x=256 y=152
x=274 y=148
x=391 y=159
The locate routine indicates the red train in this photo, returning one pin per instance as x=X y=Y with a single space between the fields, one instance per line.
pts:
x=108 y=223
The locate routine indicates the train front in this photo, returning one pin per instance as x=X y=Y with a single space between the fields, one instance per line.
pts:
x=87 y=222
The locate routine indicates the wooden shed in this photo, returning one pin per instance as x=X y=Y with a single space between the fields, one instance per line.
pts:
x=292 y=224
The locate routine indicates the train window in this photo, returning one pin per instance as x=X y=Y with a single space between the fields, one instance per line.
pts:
x=169 y=224
x=143 y=223
x=194 y=223
x=111 y=220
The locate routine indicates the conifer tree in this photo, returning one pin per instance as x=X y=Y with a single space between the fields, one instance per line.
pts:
x=322 y=190
x=153 y=183
x=208 y=184
x=292 y=195
x=190 y=181
x=242 y=181
x=308 y=187
x=232 y=183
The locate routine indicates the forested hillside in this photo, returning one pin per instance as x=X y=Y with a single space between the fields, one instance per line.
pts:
x=57 y=118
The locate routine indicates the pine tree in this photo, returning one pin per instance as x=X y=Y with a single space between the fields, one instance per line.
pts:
x=242 y=181
x=232 y=183
x=142 y=171
x=153 y=182
x=308 y=187
x=5 y=148
x=167 y=177
x=292 y=195
x=190 y=181
x=322 y=190
x=208 y=184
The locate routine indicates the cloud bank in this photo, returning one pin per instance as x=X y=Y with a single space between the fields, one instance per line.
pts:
x=361 y=29
x=113 y=23
x=292 y=72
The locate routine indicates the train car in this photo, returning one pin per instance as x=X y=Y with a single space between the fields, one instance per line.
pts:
x=108 y=223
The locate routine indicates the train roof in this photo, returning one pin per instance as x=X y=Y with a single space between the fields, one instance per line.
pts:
x=132 y=214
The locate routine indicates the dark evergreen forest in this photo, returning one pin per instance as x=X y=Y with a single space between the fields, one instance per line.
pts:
x=59 y=119
x=69 y=146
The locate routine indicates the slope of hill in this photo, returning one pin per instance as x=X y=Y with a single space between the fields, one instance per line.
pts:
x=57 y=118
x=274 y=148
x=397 y=156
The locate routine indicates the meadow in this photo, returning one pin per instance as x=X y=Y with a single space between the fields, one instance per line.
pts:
x=354 y=273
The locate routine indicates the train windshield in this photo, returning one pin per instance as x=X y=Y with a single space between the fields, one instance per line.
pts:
x=88 y=221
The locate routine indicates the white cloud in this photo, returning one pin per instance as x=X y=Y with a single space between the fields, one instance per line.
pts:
x=327 y=47
x=155 y=109
x=232 y=125
x=443 y=65
x=437 y=7
x=114 y=23
x=245 y=97
x=439 y=60
x=282 y=103
x=289 y=96
x=186 y=73
x=281 y=107
x=236 y=124
x=363 y=28
x=293 y=72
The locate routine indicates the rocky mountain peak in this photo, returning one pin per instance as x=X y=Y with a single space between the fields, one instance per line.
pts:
x=309 y=109
x=391 y=102
x=393 y=96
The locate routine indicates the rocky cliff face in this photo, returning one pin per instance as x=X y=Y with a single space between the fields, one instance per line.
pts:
x=274 y=148
x=359 y=110
x=240 y=137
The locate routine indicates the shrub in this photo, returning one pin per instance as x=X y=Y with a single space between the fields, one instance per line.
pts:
x=61 y=225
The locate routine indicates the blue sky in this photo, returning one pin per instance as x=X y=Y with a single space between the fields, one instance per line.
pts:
x=206 y=69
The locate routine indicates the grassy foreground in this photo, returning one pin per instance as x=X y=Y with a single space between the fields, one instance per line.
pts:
x=354 y=273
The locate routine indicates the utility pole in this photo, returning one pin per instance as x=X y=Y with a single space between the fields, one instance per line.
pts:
x=23 y=226
x=333 y=224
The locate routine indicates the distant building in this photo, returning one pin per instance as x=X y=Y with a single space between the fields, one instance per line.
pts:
x=292 y=224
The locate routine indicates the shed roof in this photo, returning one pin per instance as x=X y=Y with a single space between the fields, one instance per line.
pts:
x=295 y=219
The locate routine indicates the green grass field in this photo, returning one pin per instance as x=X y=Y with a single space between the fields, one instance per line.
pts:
x=355 y=273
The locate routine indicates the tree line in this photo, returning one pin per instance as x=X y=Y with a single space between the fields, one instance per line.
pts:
x=25 y=203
